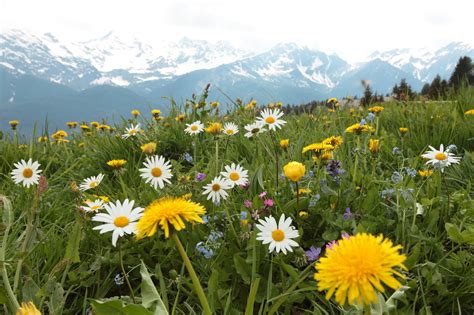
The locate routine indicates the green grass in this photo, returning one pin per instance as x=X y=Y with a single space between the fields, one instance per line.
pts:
x=53 y=257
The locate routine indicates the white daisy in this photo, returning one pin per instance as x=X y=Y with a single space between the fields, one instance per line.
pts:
x=440 y=158
x=271 y=117
x=194 y=128
x=217 y=189
x=132 y=131
x=91 y=182
x=280 y=237
x=157 y=171
x=254 y=128
x=236 y=175
x=26 y=173
x=230 y=129
x=120 y=218
x=93 y=206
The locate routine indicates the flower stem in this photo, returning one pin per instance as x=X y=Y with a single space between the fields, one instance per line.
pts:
x=123 y=271
x=217 y=157
x=446 y=214
x=192 y=273
x=8 y=220
x=297 y=197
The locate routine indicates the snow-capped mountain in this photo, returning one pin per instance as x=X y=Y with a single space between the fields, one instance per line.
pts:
x=425 y=64
x=110 y=59
x=128 y=62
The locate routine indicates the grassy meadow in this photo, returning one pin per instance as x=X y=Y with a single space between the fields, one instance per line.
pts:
x=199 y=255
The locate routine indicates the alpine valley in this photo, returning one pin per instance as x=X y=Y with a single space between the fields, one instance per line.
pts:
x=43 y=78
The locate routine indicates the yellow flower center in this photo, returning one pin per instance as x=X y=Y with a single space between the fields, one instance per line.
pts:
x=270 y=120
x=94 y=208
x=234 y=176
x=121 y=221
x=440 y=156
x=93 y=185
x=278 y=235
x=132 y=132
x=216 y=187
x=230 y=131
x=156 y=172
x=27 y=172
x=255 y=130
x=194 y=128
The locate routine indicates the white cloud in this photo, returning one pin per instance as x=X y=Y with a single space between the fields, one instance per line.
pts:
x=350 y=28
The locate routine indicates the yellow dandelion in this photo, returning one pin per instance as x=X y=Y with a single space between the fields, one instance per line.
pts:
x=187 y=196
x=303 y=214
x=303 y=191
x=95 y=124
x=116 y=163
x=358 y=128
x=335 y=141
x=28 y=309
x=251 y=105
x=403 y=130
x=374 y=145
x=327 y=155
x=43 y=139
x=58 y=135
x=103 y=127
x=214 y=128
x=284 y=143
x=354 y=268
x=13 y=124
x=149 y=147
x=376 y=109
x=168 y=211
x=155 y=112
x=425 y=173
x=72 y=124
x=318 y=147
x=84 y=127
x=135 y=113
x=214 y=104
x=294 y=171
x=180 y=117
x=469 y=112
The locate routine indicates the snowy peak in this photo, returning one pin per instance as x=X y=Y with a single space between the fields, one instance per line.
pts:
x=424 y=64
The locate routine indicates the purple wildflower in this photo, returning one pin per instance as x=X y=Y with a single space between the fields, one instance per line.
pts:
x=334 y=168
x=345 y=236
x=313 y=253
x=248 y=204
x=200 y=177
x=347 y=214
x=262 y=195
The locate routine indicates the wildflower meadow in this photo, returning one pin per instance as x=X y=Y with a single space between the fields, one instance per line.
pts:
x=245 y=208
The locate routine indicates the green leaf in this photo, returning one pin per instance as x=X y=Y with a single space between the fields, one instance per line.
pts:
x=251 y=297
x=72 y=248
x=453 y=233
x=243 y=268
x=116 y=307
x=150 y=296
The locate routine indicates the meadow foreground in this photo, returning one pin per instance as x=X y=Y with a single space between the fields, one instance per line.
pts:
x=255 y=211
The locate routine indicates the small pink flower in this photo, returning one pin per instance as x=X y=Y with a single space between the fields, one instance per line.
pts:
x=244 y=186
x=331 y=244
x=248 y=204
x=262 y=195
x=268 y=203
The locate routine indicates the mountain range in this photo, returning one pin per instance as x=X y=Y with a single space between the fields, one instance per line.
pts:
x=109 y=75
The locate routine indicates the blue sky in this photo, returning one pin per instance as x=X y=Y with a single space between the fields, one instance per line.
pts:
x=351 y=29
